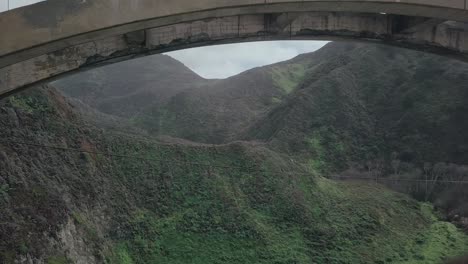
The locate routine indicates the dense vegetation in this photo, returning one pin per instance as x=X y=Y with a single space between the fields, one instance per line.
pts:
x=77 y=187
x=349 y=110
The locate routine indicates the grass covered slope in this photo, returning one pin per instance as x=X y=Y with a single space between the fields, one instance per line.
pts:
x=155 y=202
x=326 y=227
x=355 y=101
x=376 y=111
x=366 y=101
x=270 y=211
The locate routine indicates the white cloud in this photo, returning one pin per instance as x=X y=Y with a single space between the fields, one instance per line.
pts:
x=20 y=3
x=227 y=60
x=3 y=5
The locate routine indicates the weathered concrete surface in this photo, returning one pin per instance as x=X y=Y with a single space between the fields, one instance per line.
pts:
x=51 y=38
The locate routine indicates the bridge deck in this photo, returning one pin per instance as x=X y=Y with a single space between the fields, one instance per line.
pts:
x=55 y=20
x=56 y=37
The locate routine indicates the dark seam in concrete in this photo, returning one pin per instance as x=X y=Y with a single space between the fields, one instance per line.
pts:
x=389 y=25
x=290 y=27
x=433 y=35
x=238 y=25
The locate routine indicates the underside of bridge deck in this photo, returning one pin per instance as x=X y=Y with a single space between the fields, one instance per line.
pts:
x=445 y=33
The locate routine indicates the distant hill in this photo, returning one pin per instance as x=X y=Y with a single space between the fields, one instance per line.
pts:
x=356 y=100
x=346 y=106
x=127 y=88
x=370 y=100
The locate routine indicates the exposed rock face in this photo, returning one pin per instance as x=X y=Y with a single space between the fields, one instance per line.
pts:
x=71 y=240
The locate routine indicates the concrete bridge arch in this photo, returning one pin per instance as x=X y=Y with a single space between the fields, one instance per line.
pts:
x=50 y=39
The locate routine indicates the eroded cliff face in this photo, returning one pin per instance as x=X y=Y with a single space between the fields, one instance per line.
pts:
x=54 y=194
x=39 y=185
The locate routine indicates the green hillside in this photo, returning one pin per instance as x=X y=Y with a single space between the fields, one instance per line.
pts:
x=376 y=100
x=156 y=202
x=239 y=170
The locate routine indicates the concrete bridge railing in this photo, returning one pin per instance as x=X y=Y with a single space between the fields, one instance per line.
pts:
x=55 y=37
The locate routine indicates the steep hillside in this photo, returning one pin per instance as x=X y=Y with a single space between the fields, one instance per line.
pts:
x=161 y=95
x=349 y=109
x=380 y=112
x=374 y=100
x=224 y=110
x=125 y=89
x=73 y=193
x=214 y=113
x=367 y=93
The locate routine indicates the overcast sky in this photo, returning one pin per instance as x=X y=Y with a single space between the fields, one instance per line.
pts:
x=227 y=60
